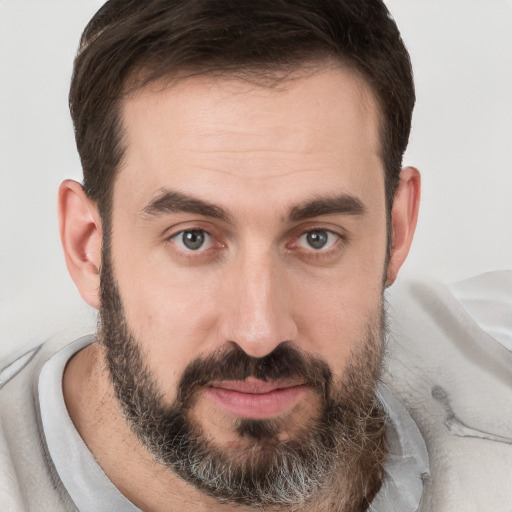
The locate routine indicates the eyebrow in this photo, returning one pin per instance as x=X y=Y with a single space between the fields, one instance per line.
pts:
x=170 y=201
x=345 y=204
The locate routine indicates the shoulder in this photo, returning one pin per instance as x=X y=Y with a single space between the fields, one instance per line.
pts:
x=27 y=481
x=487 y=299
x=455 y=378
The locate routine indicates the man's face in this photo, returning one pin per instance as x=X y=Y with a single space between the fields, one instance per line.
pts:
x=250 y=221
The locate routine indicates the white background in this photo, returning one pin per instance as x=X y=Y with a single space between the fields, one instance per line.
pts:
x=461 y=142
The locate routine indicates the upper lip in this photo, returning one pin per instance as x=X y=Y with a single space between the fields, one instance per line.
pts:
x=255 y=386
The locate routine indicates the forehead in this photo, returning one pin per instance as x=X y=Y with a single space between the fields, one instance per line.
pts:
x=202 y=132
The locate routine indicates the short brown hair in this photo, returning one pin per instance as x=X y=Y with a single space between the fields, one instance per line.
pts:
x=165 y=37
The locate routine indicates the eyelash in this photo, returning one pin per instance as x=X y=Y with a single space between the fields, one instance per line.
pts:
x=336 y=246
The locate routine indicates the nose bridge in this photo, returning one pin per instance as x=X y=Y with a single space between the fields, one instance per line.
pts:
x=261 y=317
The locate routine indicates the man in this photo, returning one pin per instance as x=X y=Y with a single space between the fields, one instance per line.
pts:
x=242 y=211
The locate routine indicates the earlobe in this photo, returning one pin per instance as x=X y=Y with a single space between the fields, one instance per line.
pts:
x=404 y=216
x=80 y=233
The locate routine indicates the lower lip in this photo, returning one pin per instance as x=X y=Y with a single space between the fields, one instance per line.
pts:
x=257 y=405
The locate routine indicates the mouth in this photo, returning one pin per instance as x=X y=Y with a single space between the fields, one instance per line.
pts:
x=256 y=399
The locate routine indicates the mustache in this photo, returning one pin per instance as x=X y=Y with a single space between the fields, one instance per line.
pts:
x=284 y=362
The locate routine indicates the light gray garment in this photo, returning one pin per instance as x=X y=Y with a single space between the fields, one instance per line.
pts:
x=455 y=380
x=83 y=486
x=487 y=298
x=28 y=480
x=84 y=480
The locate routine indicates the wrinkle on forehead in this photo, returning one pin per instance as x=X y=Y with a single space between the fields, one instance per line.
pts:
x=269 y=176
x=193 y=95
x=324 y=123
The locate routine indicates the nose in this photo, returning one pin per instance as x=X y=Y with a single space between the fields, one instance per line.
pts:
x=258 y=316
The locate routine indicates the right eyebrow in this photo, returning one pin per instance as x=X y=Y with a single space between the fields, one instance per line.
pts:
x=171 y=201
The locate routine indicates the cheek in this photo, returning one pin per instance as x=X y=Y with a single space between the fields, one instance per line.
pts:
x=336 y=311
x=170 y=312
x=335 y=323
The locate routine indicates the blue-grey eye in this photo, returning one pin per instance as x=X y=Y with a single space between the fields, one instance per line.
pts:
x=318 y=239
x=193 y=240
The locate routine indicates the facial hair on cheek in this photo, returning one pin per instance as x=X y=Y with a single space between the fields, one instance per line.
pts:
x=341 y=449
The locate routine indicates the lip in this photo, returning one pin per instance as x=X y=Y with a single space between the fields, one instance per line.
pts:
x=256 y=399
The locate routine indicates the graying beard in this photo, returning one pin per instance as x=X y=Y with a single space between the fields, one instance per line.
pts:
x=297 y=471
x=289 y=481
x=294 y=472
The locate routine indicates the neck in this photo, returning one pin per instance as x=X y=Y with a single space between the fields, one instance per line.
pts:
x=149 y=485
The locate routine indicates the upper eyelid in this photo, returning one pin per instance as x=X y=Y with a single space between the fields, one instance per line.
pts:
x=332 y=232
x=181 y=231
x=335 y=230
x=189 y=230
x=319 y=228
x=175 y=230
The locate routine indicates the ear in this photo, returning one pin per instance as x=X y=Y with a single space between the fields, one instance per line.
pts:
x=81 y=235
x=404 y=216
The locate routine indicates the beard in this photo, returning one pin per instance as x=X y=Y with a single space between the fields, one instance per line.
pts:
x=332 y=460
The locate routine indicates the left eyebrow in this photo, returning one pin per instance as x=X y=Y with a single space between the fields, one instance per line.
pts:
x=344 y=204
